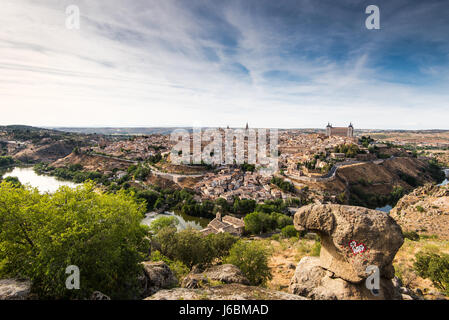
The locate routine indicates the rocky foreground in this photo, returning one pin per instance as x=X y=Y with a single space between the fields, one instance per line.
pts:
x=425 y=210
x=355 y=242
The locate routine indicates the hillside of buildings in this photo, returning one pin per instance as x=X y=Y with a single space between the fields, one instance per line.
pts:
x=255 y=212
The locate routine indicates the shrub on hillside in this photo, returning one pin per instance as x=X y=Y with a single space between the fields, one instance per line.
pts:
x=261 y=222
x=42 y=234
x=289 y=231
x=435 y=267
x=191 y=248
x=251 y=258
x=163 y=222
x=179 y=269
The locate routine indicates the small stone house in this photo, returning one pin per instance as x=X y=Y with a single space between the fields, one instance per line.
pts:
x=229 y=224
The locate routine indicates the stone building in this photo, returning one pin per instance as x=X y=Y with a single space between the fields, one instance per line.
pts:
x=227 y=224
x=340 y=131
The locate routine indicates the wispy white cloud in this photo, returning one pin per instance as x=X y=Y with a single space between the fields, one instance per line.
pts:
x=160 y=63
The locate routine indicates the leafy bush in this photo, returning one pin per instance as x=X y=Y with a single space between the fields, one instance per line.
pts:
x=42 y=234
x=179 y=269
x=247 y=167
x=13 y=180
x=191 y=248
x=283 y=185
x=350 y=150
x=435 y=267
x=244 y=206
x=252 y=259
x=289 y=232
x=150 y=197
x=163 y=222
x=6 y=161
x=260 y=222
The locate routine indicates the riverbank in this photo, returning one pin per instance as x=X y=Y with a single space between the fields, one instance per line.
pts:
x=184 y=221
x=43 y=183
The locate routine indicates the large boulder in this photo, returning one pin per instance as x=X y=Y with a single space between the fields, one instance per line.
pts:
x=352 y=238
x=232 y=291
x=312 y=281
x=97 y=295
x=13 y=289
x=158 y=276
x=225 y=273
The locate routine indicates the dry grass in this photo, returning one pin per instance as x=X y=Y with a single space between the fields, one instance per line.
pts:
x=286 y=254
x=405 y=257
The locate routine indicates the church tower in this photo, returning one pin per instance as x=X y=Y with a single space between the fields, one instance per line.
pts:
x=350 y=130
x=328 y=129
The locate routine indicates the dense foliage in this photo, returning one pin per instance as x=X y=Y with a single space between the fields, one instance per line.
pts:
x=435 y=267
x=6 y=161
x=283 y=185
x=42 y=234
x=261 y=222
x=365 y=141
x=191 y=248
x=350 y=150
x=289 y=231
x=73 y=172
x=252 y=259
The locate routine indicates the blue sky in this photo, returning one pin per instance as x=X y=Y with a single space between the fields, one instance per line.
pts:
x=286 y=64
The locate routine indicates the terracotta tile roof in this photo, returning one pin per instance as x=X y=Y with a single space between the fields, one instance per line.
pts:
x=217 y=224
x=234 y=221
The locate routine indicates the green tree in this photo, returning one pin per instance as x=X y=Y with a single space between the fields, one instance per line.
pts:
x=220 y=244
x=435 y=267
x=251 y=258
x=163 y=222
x=191 y=248
x=289 y=231
x=257 y=222
x=187 y=246
x=42 y=234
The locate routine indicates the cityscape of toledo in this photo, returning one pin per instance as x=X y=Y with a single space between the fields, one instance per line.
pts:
x=224 y=150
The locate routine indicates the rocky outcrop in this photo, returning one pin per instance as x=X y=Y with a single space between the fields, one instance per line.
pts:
x=45 y=153
x=13 y=289
x=352 y=239
x=225 y=273
x=157 y=276
x=312 y=281
x=224 y=292
x=425 y=210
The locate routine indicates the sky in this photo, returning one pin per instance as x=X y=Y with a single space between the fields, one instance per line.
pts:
x=273 y=64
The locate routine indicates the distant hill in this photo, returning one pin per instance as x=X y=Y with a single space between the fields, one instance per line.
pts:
x=118 y=131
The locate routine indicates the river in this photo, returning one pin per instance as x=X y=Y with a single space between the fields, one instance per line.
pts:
x=184 y=220
x=388 y=208
x=446 y=181
x=41 y=182
x=50 y=184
